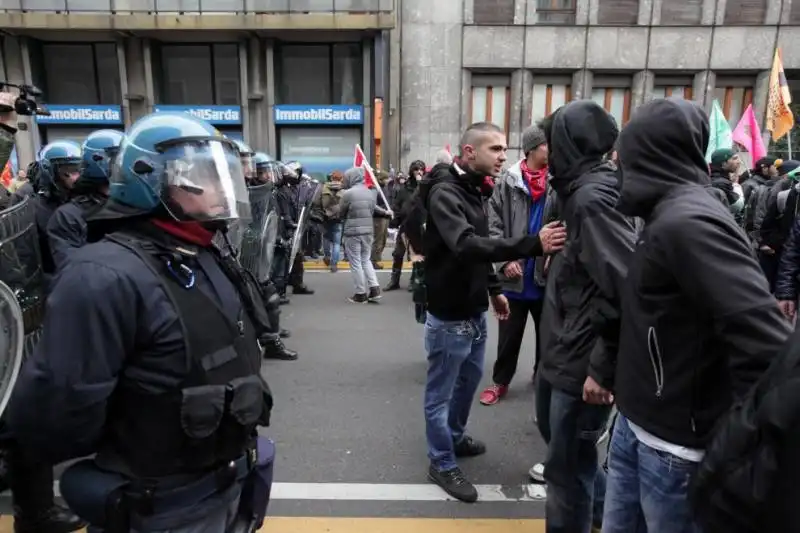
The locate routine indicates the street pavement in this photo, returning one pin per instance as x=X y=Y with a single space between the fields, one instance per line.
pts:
x=349 y=428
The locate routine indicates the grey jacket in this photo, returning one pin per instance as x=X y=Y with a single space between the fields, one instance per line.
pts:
x=358 y=204
x=509 y=214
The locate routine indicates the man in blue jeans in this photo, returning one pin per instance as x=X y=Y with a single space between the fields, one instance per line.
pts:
x=581 y=303
x=698 y=323
x=459 y=278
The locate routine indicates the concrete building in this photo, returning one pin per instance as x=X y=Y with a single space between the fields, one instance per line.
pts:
x=307 y=79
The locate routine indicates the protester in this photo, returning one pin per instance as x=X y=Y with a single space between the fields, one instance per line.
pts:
x=698 y=324
x=380 y=221
x=459 y=280
x=332 y=225
x=403 y=194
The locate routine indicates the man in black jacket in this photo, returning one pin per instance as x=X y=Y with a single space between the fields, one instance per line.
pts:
x=581 y=295
x=698 y=324
x=459 y=277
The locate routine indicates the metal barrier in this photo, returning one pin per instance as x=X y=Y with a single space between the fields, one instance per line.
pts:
x=122 y=7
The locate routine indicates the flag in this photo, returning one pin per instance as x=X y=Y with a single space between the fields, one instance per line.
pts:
x=360 y=161
x=748 y=134
x=7 y=176
x=447 y=147
x=721 y=134
x=780 y=118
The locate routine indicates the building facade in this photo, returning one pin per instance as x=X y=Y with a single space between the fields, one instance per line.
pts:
x=308 y=79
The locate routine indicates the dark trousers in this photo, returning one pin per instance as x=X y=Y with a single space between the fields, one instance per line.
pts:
x=296 y=276
x=769 y=265
x=509 y=341
x=399 y=252
x=313 y=239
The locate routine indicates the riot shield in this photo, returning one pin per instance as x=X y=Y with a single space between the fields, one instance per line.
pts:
x=297 y=238
x=12 y=342
x=258 y=238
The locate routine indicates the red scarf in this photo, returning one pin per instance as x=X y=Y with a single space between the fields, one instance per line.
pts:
x=192 y=232
x=537 y=180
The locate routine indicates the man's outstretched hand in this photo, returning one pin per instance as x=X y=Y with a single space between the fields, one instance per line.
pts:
x=553 y=236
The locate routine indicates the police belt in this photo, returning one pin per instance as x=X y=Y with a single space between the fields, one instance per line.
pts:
x=156 y=497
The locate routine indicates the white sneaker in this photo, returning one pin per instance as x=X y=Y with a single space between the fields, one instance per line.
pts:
x=536 y=473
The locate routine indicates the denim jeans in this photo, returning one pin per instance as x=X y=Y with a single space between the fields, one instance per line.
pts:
x=333 y=241
x=456 y=350
x=647 y=488
x=359 y=250
x=575 y=480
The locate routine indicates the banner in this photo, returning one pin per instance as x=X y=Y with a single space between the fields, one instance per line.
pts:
x=780 y=119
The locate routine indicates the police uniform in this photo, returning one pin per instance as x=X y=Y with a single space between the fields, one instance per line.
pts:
x=149 y=355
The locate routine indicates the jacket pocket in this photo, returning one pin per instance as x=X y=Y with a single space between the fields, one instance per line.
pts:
x=654 y=350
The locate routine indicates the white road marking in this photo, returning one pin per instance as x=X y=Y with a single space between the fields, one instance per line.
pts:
x=389 y=492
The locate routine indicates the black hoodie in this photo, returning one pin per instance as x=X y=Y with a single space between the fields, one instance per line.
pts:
x=459 y=274
x=699 y=325
x=579 y=321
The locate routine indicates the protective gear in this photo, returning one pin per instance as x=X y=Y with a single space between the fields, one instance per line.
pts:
x=267 y=169
x=58 y=162
x=179 y=163
x=292 y=172
x=98 y=150
x=259 y=237
x=246 y=155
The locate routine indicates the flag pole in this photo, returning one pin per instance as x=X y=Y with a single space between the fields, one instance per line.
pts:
x=789 y=143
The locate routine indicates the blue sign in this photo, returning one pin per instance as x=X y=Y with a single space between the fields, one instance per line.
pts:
x=81 y=114
x=214 y=114
x=319 y=114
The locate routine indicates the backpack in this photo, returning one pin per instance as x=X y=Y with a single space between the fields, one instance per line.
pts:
x=757 y=195
x=732 y=487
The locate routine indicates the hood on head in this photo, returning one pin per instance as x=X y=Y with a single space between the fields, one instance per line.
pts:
x=662 y=147
x=580 y=136
x=353 y=177
x=441 y=172
x=788 y=166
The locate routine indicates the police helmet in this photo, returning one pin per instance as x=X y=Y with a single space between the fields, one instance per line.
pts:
x=60 y=163
x=246 y=155
x=177 y=162
x=98 y=149
x=292 y=171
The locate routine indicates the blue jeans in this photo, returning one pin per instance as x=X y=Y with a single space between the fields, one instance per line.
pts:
x=575 y=480
x=647 y=488
x=456 y=350
x=333 y=241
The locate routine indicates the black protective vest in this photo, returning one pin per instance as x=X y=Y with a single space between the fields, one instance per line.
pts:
x=211 y=417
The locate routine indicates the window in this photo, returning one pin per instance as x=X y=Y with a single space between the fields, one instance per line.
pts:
x=745 y=12
x=549 y=95
x=681 y=12
x=491 y=100
x=734 y=95
x=493 y=11
x=673 y=87
x=614 y=94
x=198 y=74
x=320 y=74
x=555 y=11
x=81 y=73
x=618 y=12
x=794 y=14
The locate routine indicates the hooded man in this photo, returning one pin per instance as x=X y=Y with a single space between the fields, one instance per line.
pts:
x=403 y=194
x=581 y=297
x=724 y=163
x=698 y=324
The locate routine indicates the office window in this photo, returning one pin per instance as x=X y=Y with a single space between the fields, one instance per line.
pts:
x=81 y=73
x=320 y=74
x=618 y=12
x=199 y=74
x=614 y=94
x=549 y=95
x=794 y=14
x=555 y=11
x=493 y=11
x=681 y=12
x=745 y=12
x=673 y=87
x=734 y=96
x=491 y=100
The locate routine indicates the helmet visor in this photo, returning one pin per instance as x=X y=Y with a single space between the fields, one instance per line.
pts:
x=205 y=180
x=268 y=173
x=248 y=165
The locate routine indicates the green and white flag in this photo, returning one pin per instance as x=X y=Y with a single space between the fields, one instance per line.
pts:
x=721 y=133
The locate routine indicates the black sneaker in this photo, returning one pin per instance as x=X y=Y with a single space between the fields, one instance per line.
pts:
x=469 y=447
x=358 y=299
x=454 y=483
x=374 y=294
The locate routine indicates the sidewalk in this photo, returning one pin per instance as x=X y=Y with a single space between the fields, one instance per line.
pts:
x=386 y=262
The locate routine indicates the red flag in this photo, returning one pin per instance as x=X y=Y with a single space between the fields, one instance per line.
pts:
x=447 y=147
x=6 y=176
x=360 y=161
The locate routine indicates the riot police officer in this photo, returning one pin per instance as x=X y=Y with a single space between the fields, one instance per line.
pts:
x=149 y=355
x=289 y=208
x=68 y=229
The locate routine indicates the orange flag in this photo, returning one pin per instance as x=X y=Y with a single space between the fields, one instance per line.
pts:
x=780 y=119
x=6 y=176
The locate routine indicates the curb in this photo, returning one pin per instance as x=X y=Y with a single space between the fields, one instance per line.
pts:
x=344 y=265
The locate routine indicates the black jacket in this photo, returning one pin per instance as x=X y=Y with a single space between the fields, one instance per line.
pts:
x=699 y=325
x=787 y=281
x=578 y=326
x=777 y=223
x=459 y=274
x=401 y=200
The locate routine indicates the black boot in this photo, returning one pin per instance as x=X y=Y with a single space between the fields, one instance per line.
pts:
x=302 y=289
x=394 y=281
x=56 y=519
x=273 y=348
x=284 y=333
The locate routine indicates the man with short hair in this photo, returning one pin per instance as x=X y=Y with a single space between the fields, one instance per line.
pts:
x=459 y=279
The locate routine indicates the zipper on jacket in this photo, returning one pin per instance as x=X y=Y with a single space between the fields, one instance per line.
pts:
x=655 y=360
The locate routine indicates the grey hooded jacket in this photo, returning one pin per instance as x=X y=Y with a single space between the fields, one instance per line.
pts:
x=358 y=204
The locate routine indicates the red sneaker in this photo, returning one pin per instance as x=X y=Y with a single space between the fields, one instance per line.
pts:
x=493 y=394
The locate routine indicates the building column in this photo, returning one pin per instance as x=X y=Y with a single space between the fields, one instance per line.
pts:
x=122 y=66
x=594 y=11
x=391 y=147
x=642 y=88
x=27 y=134
x=521 y=106
x=582 y=84
x=138 y=94
x=466 y=100
x=366 y=98
x=646 y=9
x=149 y=86
x=761 y=96
x=255 y=95
x=244 y=91
x=269 y=98
x=709 y=14
x=703 y=88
